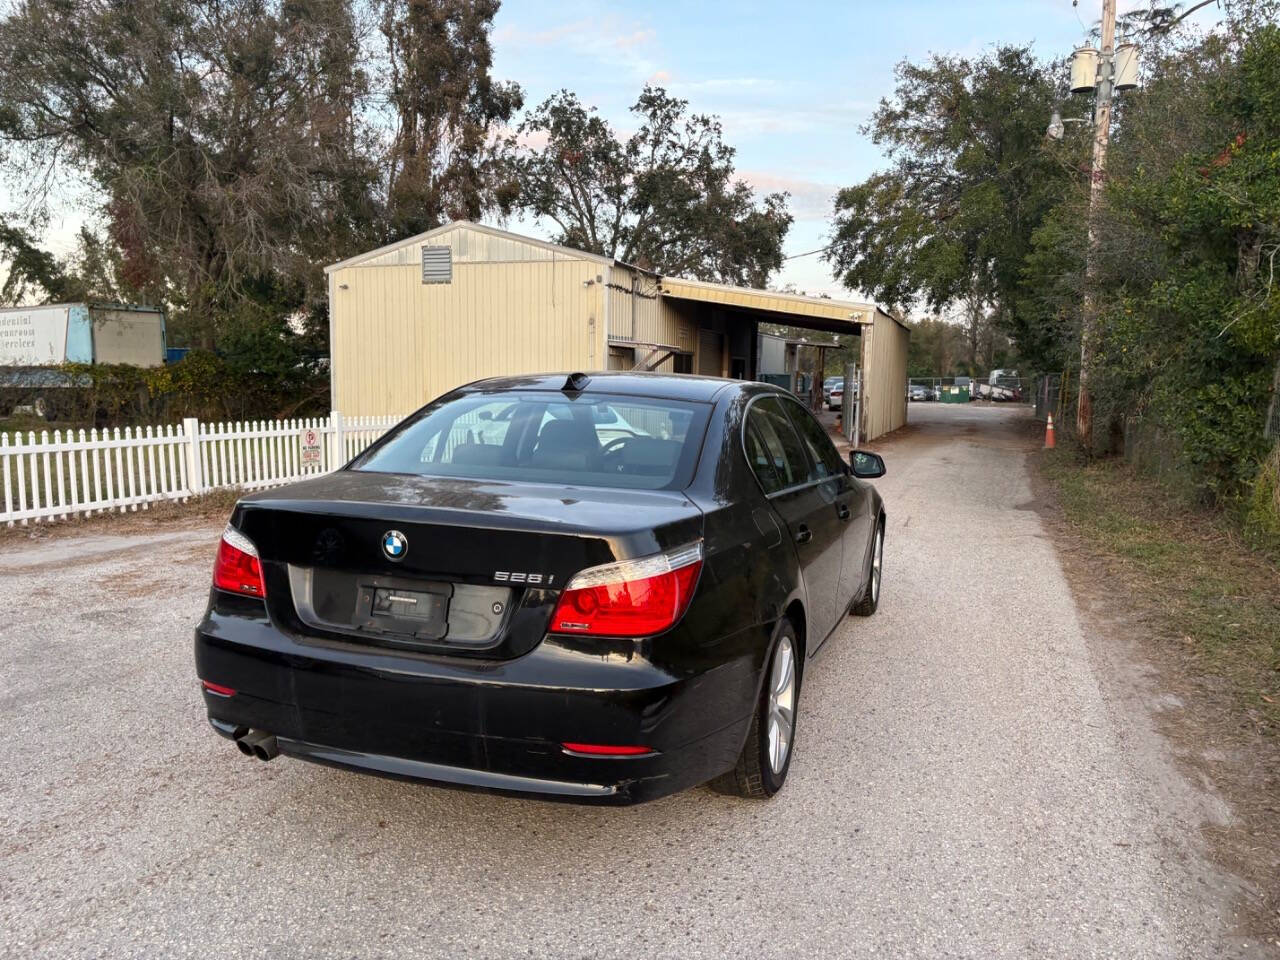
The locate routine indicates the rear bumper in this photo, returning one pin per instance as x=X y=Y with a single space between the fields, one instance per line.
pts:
x=483 y=725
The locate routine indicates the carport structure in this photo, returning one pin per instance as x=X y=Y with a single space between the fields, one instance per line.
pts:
x=464 y=301
x=728 y=319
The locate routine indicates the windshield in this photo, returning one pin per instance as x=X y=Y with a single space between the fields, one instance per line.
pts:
x=545 y=437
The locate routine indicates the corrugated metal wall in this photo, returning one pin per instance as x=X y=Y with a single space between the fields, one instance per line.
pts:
x=884 y=365
x=516 y=307
x=772 y=356
x=469 y=246
x=398 y=343
x=644 y=317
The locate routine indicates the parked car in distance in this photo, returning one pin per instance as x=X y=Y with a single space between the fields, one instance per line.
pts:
x=919 y=391
x=835 y=399
x=555 y=614
x=828 y=385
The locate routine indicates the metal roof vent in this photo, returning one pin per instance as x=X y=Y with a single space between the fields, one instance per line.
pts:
x=437 y=264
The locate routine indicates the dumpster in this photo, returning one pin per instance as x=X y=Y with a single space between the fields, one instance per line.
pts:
x=954 y=394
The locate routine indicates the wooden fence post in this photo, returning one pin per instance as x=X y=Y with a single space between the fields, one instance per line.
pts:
x=191 y=430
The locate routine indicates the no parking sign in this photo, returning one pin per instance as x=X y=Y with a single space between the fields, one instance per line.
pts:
x=310 y=445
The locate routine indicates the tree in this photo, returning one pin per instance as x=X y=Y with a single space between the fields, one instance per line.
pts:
x=223 y=136
x=32 y=271
x=933 y=347
x=665 y=199
x=443 y=162
x=1191 y=307
x=953 y=217
x=90 y=273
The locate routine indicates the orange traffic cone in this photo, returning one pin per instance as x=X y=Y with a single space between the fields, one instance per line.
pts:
x=1049 y=441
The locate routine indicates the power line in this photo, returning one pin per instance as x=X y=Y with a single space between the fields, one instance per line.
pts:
x=809 y=253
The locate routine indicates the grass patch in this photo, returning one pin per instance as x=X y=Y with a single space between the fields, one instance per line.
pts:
x=29 y=422
x=1204 y=589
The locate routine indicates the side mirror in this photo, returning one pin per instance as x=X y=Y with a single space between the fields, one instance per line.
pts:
x=866 y=466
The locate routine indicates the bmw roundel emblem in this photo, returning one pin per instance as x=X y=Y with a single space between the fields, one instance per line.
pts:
x=394 y=545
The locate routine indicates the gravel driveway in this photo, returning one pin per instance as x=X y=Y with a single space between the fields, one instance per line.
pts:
x=964 y=783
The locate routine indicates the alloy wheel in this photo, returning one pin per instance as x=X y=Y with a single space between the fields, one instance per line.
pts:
x=877 y=561
x=782 y=704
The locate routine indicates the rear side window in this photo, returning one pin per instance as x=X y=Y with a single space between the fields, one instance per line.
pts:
x=548 y=437
x=760 y=459
x=781 y=446
x=822 y=452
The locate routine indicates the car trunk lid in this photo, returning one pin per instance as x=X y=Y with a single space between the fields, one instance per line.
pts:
x=445 y=564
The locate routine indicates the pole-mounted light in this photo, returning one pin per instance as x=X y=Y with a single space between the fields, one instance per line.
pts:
x=1058 y=125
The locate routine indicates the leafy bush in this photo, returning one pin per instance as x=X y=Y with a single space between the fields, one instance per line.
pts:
x=202 y=384
x=1190 y=326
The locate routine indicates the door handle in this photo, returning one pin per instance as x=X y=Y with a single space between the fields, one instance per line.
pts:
x=842 y=511
x=803 y=534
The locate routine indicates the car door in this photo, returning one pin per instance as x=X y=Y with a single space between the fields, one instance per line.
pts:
x=852 y=504
x=806 y=500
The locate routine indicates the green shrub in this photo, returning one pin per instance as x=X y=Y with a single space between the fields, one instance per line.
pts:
x=202 y=384
x=1262 y=516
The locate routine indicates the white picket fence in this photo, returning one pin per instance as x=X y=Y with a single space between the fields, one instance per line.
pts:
x=46 y=477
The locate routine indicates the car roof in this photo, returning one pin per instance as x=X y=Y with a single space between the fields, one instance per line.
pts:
x=664 y=386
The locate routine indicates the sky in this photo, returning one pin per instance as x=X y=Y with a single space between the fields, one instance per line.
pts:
x=792 y=83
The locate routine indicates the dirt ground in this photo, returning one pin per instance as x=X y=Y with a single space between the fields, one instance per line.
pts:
x=982 y=771
x=1216 y=743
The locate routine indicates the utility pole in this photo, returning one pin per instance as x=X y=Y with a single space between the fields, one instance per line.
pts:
x=1097 y=175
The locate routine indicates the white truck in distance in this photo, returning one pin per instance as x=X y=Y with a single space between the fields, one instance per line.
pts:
x=36 y=341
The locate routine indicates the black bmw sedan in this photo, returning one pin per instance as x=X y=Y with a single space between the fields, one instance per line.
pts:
x=600 y=588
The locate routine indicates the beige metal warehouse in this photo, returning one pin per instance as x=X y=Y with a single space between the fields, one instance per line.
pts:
x=410 y=321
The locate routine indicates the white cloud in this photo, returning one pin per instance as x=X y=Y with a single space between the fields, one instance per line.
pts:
x=727 y=83
x=796 y=119
x=627 y=45
x=811 y=200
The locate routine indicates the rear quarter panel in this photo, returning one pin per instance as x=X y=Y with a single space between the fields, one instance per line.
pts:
x=751 y=573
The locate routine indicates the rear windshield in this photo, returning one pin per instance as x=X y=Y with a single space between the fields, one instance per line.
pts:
x=545 y=437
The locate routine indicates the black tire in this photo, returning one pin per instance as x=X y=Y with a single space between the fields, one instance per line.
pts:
x=869 y=602
x=753 y=775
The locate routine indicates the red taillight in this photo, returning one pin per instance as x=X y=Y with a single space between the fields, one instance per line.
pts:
x=607 y=750
x=237 y=569
x=217 y=688
x=632 y=598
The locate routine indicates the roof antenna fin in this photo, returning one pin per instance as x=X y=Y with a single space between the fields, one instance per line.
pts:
x=575 y=383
